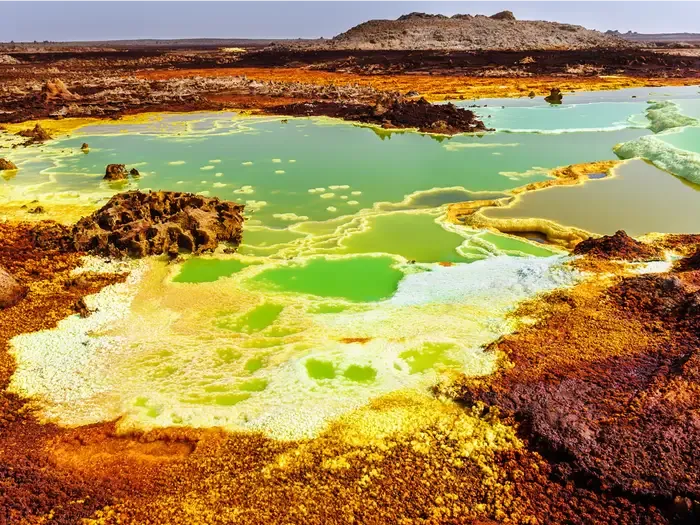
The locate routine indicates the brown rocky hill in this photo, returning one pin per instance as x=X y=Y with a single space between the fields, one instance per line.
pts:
x=471 y=33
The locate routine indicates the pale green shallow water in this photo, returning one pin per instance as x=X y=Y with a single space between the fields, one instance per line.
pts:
x=348 y=285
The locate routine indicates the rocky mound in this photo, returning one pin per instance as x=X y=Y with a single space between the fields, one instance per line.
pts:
x=446 y=119
x=474 y=33
x=618 y=246
x=8 y=60
x=139 y=224
x=56 y=90
x=10 y=290
x=35 y=135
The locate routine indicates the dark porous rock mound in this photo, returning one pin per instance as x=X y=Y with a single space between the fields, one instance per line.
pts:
x=690 y=263
x=503 y=15
x=445 y=119
x=618 y=246
x=140 y=224
x=10 y=290
x=35 y=135
x=554 y=97
x=116 y=172
x=7 y=165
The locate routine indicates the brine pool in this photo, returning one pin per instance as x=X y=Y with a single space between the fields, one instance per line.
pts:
x=349 y=284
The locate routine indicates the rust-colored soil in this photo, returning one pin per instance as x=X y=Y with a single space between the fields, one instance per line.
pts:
x=605 y=385
x=432 y=87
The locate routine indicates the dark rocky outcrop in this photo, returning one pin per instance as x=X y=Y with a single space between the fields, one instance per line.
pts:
x=140 y=224
x=10 y=290
x=503 y=15
x=114 y=172
x=134 y=172
x=7 y=165
x=554 y=97
x=618 y=246
x=35 y=135
x=445 y=119
x=692 y=262
x=85 y=147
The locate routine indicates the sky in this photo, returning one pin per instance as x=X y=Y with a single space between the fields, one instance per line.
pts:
x=92 y=20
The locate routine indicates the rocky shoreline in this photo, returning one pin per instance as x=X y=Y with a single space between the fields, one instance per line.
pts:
x=445 y=119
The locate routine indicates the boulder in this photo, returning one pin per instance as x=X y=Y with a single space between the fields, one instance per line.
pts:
x=56 y=90
x=503 y=15
x=134 y=172
x=554 y=97
x=115 y=172
x=7 y=165
x=10 y=290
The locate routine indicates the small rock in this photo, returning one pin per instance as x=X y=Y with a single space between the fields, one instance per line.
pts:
x=38 y=209
x=554 y=97
x=115 y=172
x=85 y=147
x=81 y=308
x=134 y=172
x=7 y=165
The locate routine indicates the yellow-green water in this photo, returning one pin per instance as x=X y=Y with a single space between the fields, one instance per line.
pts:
x=349 y=283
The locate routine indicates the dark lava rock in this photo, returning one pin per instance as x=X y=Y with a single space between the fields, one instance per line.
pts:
x=690 y=263
x=554 y=97
x=37 y=134
x=445 y=119
x=116 y=172
x=37 y=210
x=618 y=246
x=7 y=165
x=503 y=15
x=10 y=290
x=134 y=172
x=140 y=224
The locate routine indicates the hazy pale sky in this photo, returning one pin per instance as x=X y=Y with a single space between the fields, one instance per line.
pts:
x=68 y=21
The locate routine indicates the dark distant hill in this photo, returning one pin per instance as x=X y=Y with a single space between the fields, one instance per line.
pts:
x=664 y=38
